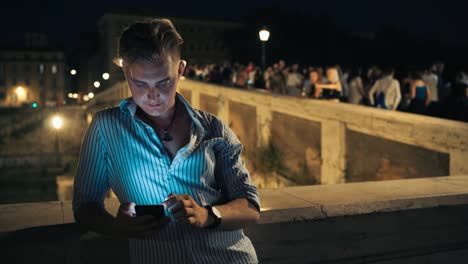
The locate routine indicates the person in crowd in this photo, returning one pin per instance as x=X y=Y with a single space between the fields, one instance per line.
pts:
x=356 y=87
x=386 y=91
x=420 y=95
x=331 y=89
x=294 y=80
x=430 y=79
x=315 y=79
x=458 y=100
x=371 y=76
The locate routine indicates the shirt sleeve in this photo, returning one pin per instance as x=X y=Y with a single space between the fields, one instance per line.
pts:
x=90 y=184
x=230 y=170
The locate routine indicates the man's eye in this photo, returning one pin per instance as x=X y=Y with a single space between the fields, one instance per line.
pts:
x=165 y=83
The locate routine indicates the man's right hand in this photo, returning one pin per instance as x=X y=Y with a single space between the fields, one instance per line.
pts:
x=128 y=225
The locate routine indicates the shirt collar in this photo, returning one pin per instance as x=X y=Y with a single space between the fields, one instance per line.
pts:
x=128 y=106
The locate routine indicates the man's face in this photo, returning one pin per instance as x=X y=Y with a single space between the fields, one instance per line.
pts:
x=313 y=77
x=153 y=85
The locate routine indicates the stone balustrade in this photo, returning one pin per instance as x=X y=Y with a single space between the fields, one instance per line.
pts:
x=326 y=143
x=401 y=221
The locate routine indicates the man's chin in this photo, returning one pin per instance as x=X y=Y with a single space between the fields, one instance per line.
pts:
x=154 y=110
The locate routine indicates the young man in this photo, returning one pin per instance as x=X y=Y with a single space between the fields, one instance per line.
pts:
x=387 y=90
x=155 y=146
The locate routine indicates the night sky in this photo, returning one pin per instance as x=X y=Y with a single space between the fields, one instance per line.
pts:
x=445 y=21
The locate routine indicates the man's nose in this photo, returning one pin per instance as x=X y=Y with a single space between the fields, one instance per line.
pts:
x=153 y=93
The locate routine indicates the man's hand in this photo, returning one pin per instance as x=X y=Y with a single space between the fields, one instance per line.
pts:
x=128 y=225
x=188 y=211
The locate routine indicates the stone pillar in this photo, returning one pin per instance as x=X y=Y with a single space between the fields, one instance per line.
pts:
x=333 y=152
x=223 y=109
x=458 y=162
x=264 y=117
x=195 y=99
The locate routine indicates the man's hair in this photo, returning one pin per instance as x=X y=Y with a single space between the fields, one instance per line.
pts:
x=388 y=70
x=149 y=40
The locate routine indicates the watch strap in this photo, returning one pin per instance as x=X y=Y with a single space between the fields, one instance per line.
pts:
x=217 y=220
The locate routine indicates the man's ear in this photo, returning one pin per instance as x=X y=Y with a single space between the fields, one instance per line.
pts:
x=181 y=69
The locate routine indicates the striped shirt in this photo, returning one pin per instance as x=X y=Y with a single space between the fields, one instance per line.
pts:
x=122 y=153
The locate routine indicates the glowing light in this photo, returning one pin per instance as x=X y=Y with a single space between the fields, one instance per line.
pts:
x=264 y=35
x=20 y=91
x=70 y=95
x=91 y=95
x=85 y=98
x=97 y=84
x=75 y=95
x=105 y=76
x=57 y=122
x=73 y=72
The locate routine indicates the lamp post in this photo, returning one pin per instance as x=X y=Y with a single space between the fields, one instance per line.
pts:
x=264 y=35
x=57 y=123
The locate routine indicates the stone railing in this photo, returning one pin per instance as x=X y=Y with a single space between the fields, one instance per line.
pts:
x=401 y=221
x=324 y=142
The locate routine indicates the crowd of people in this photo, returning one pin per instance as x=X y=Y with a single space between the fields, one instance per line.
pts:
x=424 y=91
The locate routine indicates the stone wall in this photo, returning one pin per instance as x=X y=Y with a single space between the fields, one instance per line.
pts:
x=299 y=141
x=371 y=158
x=323 y=136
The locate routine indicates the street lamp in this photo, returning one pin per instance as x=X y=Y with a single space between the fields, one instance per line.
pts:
x=105 y=76
x=57 y=123
x=264 y=36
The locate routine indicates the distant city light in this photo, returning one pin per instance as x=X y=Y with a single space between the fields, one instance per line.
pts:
x=73 y=72
x=57 y=122
x=70 y=95
x=20 y=91
x=75 y=95
x=91 y=95
x=97 y=84
x=85 y=98
x=105 y=76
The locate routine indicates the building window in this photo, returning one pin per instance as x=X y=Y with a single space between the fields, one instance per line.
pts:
x=41 y=68
x=53 y=69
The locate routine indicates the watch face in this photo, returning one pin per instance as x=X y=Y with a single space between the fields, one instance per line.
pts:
x=216 y=212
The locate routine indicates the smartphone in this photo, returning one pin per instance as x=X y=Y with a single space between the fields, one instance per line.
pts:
x=154 y=210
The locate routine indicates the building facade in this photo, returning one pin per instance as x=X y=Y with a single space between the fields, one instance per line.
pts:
x=204 y=40
x=31 y=74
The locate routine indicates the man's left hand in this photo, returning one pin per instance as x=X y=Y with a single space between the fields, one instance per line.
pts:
x=187 y=211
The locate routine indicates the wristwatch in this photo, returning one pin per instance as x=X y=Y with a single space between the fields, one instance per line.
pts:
x=213 y=212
